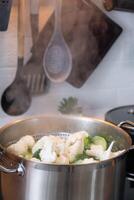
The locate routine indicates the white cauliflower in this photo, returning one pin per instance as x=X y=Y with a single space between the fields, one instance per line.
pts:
x=28 y=140
x=95 y=151
x=59 y=144
x=60 y=148
x=17 y=149
x=75 y=144
x=35 y=160
x=86 y=161
x=62 y=159
x=57 y=141
x=51 y=147
x=22 y=146
x=39 y=144
x=76 y=136
x=98 y=152
x=75 y=149
x=47 y=153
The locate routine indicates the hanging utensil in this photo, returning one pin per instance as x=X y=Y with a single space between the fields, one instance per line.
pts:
x=33 y=70
x=34 y=19
x=57 y=59
x=16 y=98
x=5 y=10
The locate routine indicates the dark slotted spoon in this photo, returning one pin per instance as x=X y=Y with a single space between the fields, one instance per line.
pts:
x=16 y=98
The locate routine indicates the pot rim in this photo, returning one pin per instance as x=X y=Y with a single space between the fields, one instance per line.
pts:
x=60 y=167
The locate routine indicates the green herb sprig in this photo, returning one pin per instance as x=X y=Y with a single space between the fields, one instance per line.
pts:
x=70 y=106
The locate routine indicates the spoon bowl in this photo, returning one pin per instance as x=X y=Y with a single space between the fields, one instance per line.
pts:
x=16 y=98
x=57 y=59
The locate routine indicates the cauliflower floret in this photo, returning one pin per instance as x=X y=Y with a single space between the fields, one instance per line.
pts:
x=40 y=143
x=86 y=161
x=98 y=152
x=75 y=144
x=35 y=160
x=60 y=147
x=28 y=140
x=47 y=154
x=59 y=144
x=75 y=149
x=95 y=151
x=28 y=155
x=17 y=149
x=62 y=159
x=76 y=136
x=89 y=160
x=22 y=146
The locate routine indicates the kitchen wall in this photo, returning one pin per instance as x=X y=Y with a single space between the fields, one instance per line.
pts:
x=110 y=85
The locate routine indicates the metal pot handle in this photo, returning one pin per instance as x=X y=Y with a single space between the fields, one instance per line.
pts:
x=127 y=125
x=9 y=166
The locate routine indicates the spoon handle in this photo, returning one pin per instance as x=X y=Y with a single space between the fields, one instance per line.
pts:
x=21 y=36
x=58 y=8
x=21 y=27
x=34 y=19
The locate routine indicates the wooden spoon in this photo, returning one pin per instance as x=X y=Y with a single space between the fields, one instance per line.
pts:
x=57 y=59
x=16 y=99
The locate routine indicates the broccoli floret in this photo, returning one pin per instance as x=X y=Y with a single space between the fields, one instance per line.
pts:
x=81 y=157
x=87 y=142
x=37 y=154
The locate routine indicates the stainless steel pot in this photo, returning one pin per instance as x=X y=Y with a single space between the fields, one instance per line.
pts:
x=28 y=180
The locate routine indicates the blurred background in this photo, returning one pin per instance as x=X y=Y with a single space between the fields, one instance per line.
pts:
x=110 y=84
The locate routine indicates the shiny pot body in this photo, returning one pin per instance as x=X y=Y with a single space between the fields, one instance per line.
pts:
x=98 y=181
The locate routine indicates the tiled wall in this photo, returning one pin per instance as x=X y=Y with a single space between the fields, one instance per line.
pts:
x=110 y=85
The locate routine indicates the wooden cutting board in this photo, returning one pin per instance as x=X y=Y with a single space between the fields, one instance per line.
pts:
x=89 y=34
